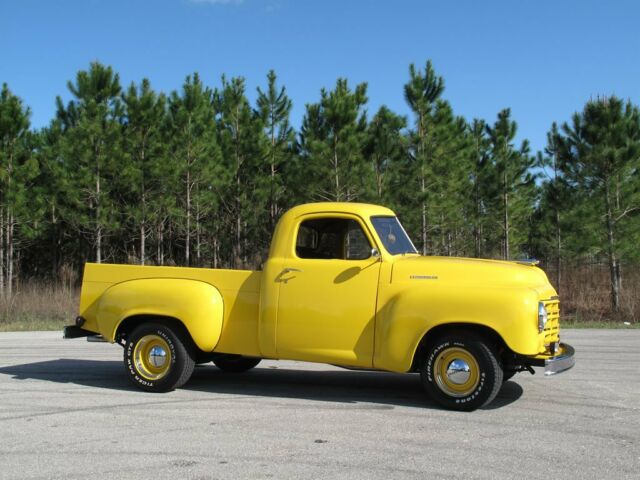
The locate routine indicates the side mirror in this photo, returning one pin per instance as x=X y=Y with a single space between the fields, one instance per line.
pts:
x=375 y=253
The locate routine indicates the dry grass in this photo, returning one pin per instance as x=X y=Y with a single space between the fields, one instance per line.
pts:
x=584 y=298
x=39 y=306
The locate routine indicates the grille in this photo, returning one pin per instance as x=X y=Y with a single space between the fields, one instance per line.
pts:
x=552 y=328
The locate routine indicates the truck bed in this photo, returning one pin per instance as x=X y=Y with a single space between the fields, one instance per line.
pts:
x=240 y=290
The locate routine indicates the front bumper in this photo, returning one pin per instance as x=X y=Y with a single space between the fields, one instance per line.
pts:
x=563 y=360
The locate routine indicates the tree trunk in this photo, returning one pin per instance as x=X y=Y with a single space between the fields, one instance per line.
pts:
x=143 y=237
x=2 y=273
x=379 y=178
x=558 y=252
x=424 y=216
x=335 y=169
x=237 y=247
x=98 y=221
x=273 y=208
x=187 y=252
x=614 y=267
x=55 y=243
x=245 y=249
x=477 y=239
x=160 y=247
x=215 y=252
x=10 y=249
x=237 y=257
x=506 y=252
x=198 y=233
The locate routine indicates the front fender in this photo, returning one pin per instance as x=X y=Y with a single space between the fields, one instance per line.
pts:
x=410 y=314
x=198 y=305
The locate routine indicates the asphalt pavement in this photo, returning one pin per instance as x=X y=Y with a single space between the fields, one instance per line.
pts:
x=68 y=411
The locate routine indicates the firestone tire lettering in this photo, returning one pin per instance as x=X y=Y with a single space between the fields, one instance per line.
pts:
x=489 y=374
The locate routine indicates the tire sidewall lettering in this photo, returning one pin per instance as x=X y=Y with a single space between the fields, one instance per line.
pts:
x=429 y=371
x=130 y=364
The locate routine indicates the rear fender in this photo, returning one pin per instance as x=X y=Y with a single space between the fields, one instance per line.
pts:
x=198 y=305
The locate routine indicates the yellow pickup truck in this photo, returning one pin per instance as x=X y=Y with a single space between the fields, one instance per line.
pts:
x=344 y=285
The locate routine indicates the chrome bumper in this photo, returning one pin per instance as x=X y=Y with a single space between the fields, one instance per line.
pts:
x=561 y=362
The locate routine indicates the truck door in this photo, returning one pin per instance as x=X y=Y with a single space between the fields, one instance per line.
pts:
x=327 y=295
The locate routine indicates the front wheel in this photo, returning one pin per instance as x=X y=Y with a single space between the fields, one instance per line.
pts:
x=461 y=372
x=158 y=358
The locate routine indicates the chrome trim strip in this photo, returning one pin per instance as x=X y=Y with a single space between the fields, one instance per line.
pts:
x=562 y=362
x=532 y=262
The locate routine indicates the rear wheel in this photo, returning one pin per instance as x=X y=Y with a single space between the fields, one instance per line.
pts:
x=157 y=358
x=235 y=363
x=461 y=372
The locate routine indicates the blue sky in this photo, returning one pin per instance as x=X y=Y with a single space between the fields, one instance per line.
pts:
x=541 y=58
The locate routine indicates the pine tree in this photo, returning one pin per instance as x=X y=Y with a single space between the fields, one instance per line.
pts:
x=482 y=184
x=331 y=143
x=385 y=147
x=91 y=151
x=145 y=160
x=450 y=180
x=196 y=161
x=59 y=242
x=556 y=207
x=515 y=180
x=274 y=107
x=18 y=167
x=421 y=93
x=244 y=146
x=600 y=154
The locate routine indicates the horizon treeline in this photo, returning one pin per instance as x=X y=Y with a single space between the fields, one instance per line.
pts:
x=200 y=176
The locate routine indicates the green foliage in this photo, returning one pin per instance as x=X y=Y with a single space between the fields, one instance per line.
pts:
x=599 y=155
x=481 y=187
x=91 y=147
x=385 y=149
x=513 y=180
x=18 y=168
x=201 y=176
x=331 y=142
x=196 y=170
x=142 y=191
x=421 y=93
x=274 y=107
x=245 y=150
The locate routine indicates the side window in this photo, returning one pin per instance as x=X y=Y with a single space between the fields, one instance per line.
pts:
x=356 y=244
x=332 y=238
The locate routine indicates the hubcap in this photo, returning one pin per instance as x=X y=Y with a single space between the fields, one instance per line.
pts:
x=152 y=357
x=456 y=372
x=157 y=356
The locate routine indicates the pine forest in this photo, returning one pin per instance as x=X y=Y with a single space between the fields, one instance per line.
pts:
x=199 y=176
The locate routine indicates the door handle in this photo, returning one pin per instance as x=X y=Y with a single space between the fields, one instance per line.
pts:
x=289 y=270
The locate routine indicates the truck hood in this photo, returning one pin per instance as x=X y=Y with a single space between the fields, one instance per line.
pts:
x=468 y=272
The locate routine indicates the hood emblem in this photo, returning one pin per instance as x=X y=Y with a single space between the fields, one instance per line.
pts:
x=423 y=277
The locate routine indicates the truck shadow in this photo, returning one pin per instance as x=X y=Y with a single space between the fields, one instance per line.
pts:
x=387 y=390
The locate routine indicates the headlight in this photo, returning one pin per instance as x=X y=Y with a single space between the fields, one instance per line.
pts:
x=542 y=317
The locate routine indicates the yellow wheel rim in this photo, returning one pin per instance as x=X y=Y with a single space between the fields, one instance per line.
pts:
x=152 y=357
x=456 y=372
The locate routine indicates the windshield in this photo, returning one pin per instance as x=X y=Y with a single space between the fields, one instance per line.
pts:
x=394 y=238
